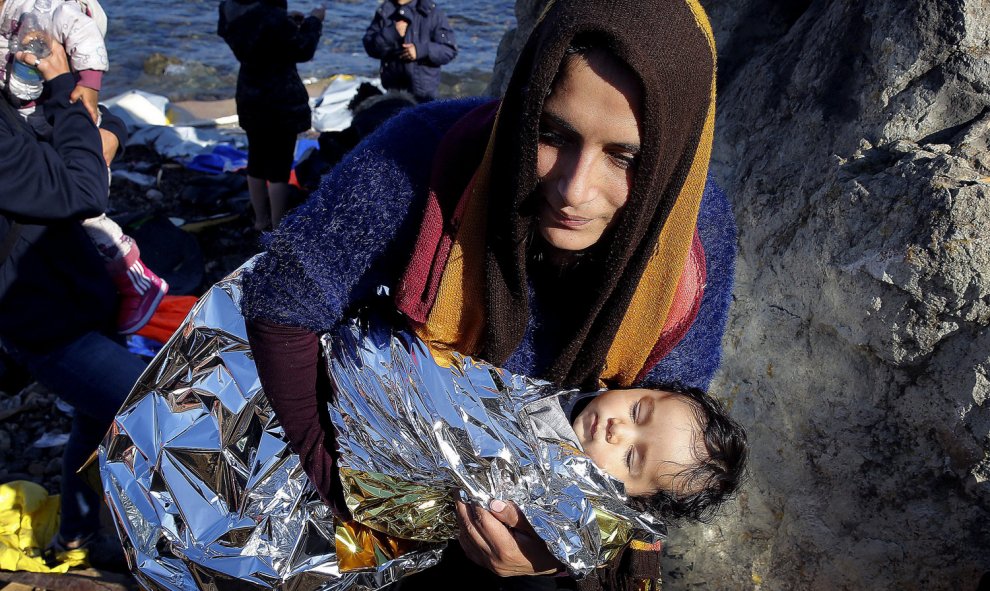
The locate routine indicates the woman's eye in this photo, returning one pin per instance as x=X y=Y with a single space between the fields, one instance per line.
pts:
x=634 y=412
x=623 y=161
x=551 y=138
x=629 y=455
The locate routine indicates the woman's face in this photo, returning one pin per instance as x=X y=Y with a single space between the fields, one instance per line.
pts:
x=588 y=149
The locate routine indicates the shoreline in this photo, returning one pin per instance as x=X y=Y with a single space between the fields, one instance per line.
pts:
x=223 y=112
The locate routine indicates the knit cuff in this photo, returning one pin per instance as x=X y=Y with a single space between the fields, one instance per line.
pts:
x=90 y=79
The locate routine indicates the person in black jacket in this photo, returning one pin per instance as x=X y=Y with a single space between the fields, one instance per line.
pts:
x=272 y=102
x=58 y=304
x=413 y=39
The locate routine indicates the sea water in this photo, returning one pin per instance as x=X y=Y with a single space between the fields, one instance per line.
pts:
x=172 y=48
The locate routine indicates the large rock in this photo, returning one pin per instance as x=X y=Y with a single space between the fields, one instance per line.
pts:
x=527 y=13
x=853 y=139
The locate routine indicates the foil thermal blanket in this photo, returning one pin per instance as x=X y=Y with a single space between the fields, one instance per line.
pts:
x=206 y=493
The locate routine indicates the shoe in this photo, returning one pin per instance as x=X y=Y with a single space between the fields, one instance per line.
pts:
x=98 y=550
x=140 y=291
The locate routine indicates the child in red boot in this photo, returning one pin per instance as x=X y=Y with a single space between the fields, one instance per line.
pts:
x=140 y=289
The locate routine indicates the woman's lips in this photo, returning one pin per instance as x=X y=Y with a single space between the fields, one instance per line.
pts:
x=566 y=220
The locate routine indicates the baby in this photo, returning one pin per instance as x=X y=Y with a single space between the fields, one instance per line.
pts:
x=677 y=453
x=495 y=435
x=80 y=25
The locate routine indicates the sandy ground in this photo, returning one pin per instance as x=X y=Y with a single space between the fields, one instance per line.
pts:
x=221 y=111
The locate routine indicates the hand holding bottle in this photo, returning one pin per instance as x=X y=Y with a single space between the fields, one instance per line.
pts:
x=54 y=64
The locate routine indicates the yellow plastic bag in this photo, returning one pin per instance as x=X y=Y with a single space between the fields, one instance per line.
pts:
x=28 y=522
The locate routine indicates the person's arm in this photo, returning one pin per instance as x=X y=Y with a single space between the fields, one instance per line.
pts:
x=64 y=179
x=222 y=20
x=441 y=48
x=288 y=367
x=87 y=90
x=87 y=51
x=81 y=37
x=695 y=359
x=113 y=131
x=302 y=40
x=381 y=40
x=356 y=231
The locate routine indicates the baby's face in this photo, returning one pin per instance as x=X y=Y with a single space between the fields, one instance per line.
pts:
x=643 y=438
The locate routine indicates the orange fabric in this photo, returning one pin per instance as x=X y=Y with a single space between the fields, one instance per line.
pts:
x=456 y=323
x=170 y=313
x=647 y=314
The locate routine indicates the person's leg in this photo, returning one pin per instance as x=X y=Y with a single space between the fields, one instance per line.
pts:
x=108 y=237
x=279 y=167
x=140 y=289
x=278 y=196
x=257 y=178
x=258 y=189
x=94 y=374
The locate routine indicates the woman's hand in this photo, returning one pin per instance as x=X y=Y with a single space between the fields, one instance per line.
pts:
x=502 y=541
x=50 y=67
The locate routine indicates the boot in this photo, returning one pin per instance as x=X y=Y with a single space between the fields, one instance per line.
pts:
x=140 y=291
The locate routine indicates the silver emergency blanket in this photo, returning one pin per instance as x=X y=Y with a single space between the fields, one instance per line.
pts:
x=205 y=493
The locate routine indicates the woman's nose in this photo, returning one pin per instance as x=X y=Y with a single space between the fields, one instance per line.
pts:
x=575 y=182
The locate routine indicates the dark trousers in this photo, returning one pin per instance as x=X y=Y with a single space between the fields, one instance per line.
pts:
x=94 y=374
x=456 y=571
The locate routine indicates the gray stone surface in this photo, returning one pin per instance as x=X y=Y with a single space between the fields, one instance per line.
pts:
x=527 y=13
x=852 y=138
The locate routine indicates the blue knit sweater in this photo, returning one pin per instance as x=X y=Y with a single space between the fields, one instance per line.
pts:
x=357 y=232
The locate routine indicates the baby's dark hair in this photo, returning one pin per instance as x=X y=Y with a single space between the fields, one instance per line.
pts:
x=715 y=478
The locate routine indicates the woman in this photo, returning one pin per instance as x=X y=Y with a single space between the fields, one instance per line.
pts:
x=556 y=234
x=272 y=103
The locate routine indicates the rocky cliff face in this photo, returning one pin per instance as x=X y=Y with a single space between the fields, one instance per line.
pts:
x=853 y=140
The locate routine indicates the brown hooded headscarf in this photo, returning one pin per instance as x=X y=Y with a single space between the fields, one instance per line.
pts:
x=669 y=46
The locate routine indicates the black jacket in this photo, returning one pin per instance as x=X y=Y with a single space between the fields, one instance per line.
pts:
x=53 y=284
x=428 y=30
x=269 y=44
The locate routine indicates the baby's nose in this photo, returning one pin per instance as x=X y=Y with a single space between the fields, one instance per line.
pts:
x=612 y=431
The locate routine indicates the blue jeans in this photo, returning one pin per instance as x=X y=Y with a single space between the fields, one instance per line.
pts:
x=94 y=374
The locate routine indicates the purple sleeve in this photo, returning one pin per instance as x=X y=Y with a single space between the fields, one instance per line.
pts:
x=288 y=366
x=90 y=79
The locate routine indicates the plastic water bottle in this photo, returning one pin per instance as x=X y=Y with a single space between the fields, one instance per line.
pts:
x=26 y=82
